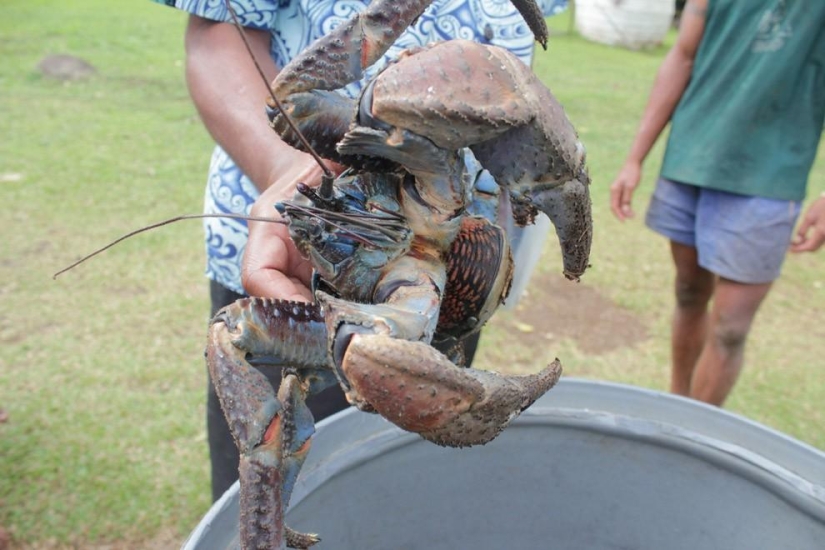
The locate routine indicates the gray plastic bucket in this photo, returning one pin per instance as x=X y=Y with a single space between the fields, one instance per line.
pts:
x=590 y=466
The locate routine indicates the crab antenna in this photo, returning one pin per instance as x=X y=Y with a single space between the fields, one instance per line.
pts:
x=161 y=224
x=327 y=172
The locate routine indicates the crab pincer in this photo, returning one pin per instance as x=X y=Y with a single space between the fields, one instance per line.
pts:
x=342 y=56
x=272 y=431
x=434 y=101
x=416 y=387
x=484 y=98
x=383 y=368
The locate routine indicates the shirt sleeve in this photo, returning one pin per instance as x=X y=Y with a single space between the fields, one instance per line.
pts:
x=552 y=7
x=255 y=14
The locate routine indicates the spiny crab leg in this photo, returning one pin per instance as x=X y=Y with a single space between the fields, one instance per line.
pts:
x=273 y=333
x=268 y=472
x=408 y=382
x=272 y=431
x=341 y=56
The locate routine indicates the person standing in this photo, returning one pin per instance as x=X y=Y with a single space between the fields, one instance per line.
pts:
x=743 y=89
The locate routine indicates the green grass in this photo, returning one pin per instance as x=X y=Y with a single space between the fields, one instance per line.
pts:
x=102 y=375
x=101 y=371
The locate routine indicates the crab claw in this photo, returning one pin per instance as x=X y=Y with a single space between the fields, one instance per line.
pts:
x=272 y=431
x=272 y=434
x=513 y=124
x=417 y=388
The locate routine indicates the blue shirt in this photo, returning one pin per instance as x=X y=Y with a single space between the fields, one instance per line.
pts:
x=295 y=24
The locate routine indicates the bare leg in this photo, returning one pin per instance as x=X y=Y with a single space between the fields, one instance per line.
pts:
x=734 y=308
x=693 y=289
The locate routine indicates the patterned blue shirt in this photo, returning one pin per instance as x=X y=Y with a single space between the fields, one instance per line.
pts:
x=294 y=24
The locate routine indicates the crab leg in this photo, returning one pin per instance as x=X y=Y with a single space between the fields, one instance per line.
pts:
x=273 y=333
x=341 y=56
x=272 y=431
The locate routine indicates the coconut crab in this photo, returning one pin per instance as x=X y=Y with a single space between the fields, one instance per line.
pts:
x=401 y=260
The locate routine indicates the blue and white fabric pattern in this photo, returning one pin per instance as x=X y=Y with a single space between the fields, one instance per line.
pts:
x=294 y=25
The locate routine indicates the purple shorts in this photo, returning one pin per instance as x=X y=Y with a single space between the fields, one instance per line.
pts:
x=737 y=237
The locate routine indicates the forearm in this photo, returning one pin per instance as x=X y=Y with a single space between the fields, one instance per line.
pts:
x=671 y=81
x=670 y=84
x=230 y=95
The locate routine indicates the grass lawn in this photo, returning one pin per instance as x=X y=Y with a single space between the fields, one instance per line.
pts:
x=101 y=371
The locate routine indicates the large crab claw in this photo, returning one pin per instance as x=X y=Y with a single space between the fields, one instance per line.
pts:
x=415 y=386
x=436 y=100
x=484 y=98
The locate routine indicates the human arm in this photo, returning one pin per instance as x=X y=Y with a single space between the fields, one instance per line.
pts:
x=670 y=83
x=810 y=235
x=229 y=95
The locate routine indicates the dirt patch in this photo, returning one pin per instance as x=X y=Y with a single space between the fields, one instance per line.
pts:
x=556 y=308
x=65 y=67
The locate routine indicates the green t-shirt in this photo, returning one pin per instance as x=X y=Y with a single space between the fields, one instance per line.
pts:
x=751 y=117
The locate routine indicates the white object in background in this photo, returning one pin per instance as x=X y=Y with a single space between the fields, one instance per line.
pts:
x=527 y=247
x=631 y=24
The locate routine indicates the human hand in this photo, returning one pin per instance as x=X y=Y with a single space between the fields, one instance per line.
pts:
x=811 y=232
x=622 y=189
x=272 y=266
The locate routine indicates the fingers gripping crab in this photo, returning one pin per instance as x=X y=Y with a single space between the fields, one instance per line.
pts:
x=400 y=261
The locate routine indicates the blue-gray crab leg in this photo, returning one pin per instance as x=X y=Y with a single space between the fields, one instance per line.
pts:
x=321 y=117
x=269 y=469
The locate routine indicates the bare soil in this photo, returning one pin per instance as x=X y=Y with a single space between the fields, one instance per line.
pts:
x=65 y=67
x=555 y=308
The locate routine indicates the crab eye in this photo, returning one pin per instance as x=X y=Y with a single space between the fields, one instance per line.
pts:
x=316 y=228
